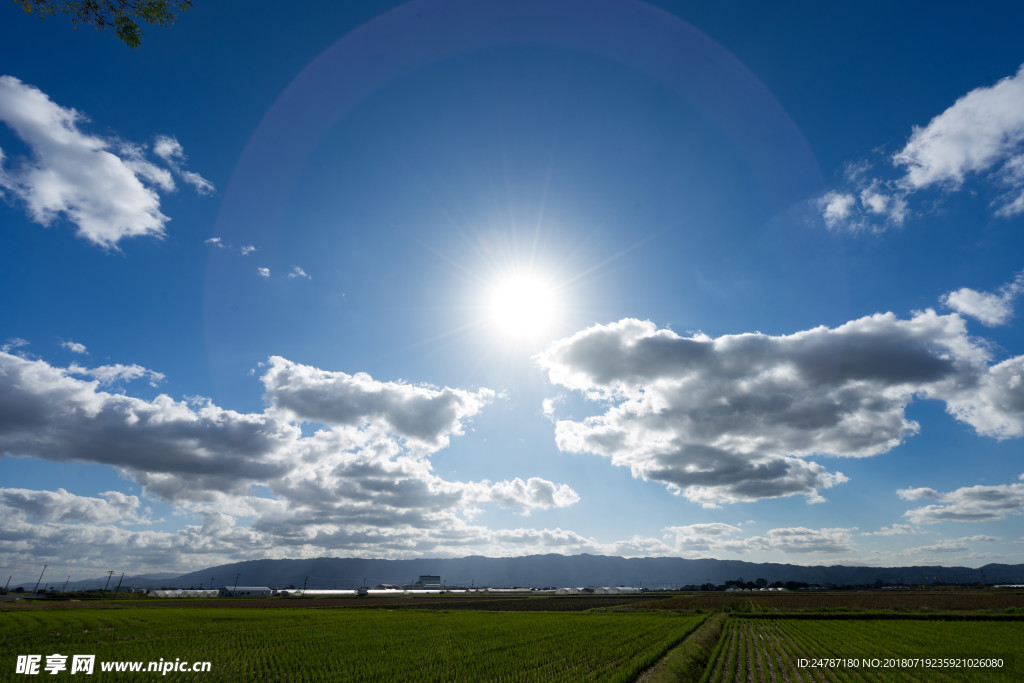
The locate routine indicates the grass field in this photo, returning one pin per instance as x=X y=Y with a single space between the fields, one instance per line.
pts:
x=358 y=644
x=868 y=650
x=869 y=635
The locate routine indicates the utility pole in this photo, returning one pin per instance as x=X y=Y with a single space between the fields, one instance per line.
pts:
x=211 y=581
x=236 y=582
x=304 y=585
x=110 y=575
x=40 y=579
x=119 y=584
x=66 y=584
x=9 y=581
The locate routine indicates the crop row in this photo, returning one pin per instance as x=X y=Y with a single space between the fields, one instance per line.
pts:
x=870 y=650
x=326 y=644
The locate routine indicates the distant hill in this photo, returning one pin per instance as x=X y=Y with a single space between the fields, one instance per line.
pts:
x=539 y=571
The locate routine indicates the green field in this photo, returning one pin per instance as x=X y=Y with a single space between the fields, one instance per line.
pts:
x=356 y=644
x=868 y=650
x=718 y=637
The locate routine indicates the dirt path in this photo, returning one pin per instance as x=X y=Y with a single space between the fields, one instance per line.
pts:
x=689 y=656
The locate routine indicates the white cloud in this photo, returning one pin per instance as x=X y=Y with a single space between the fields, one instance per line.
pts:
x=990 y=308
x=61 y=506
x=992 y=401
x=837 y=208
x=981 y=133
x=804 y=540
x=966 y=504
x=952 y=545
x=170 y=150
x=106 y=187
x=110 y=374
x=983 y=129
x=894 y=530
x=547 y=406
x=717 y=538
x=738 y=417
x=735 y=418
x=74 y=347
x=299 y=272
x=535 y=493
x=13 y=343
x=73 y=173
x=263 y=272
x=422 y=414
x=703 y=539
x=214 y=241
x=363 y=482
x=247 y=249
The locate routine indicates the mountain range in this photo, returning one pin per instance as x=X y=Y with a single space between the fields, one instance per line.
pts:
x=537 y=571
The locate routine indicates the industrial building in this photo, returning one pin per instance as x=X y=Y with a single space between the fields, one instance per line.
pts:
x=427 y=582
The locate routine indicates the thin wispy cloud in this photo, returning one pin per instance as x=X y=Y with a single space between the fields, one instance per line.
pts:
x=298 y=272
x=12 y=344
x=170 y=150
x=702 y=540
x=989 y=308
x=73 y=347
x=112 y=374
x=980 y=137
x=105 y=186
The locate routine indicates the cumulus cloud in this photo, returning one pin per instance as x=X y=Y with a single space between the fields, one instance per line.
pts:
x=247 y=249
x=966 y=504
x=361 y=482
x=105 y=186
x=737 y=417
x=990 y=308
x=981 y=134
x=46 y=413
x=298 y=272
x=73 y=347
x=61 y=506
x=535 y=493
x=214 y=242
x=422 y=414
x=263 y=272
x=85 y=544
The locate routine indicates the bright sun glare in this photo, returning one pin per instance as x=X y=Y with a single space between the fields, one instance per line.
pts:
x=522 y=306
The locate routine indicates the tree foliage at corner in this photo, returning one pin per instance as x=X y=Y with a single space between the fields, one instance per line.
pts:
x=121 y=15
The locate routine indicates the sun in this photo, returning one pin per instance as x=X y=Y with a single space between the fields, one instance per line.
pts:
x=522 y=306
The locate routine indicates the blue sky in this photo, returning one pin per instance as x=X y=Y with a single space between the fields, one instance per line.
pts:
x=449 y=278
